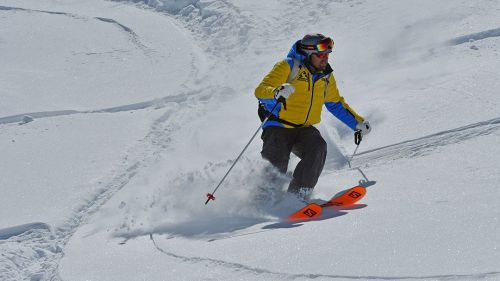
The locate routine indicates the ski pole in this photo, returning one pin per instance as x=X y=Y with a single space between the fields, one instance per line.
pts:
x=211 y=195
x=357 y=140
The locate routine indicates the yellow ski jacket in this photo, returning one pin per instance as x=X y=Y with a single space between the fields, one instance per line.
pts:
x=312 y=91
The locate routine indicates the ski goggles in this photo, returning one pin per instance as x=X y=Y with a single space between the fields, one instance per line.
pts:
x=323 y=46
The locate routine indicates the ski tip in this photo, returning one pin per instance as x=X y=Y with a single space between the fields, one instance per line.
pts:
x=349 y=197
x=357 y=192
x=311 y=211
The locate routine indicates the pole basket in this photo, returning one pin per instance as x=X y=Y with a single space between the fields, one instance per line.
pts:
x=210 y=196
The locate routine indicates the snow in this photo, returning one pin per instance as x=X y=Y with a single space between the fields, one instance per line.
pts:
x=58 y=62
x=54 y=163
x=116 y=118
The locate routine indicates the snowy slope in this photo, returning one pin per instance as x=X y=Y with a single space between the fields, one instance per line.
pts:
x=116 y=118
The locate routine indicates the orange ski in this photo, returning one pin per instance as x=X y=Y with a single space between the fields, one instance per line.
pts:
x=310 y=211
x=347 y=198
x=313 y=210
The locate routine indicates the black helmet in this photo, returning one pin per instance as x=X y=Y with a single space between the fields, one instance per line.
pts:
x=316 y=44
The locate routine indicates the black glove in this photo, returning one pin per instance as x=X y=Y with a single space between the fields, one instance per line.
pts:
x=358 y=137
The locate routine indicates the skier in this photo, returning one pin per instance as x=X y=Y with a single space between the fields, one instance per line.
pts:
x=301 y=84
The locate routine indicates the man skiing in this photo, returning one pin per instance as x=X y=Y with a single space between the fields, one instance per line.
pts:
x=297 y=87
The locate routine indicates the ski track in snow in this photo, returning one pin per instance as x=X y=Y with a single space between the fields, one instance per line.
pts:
x=5 y=8
x=130 y=33
x=238 y=267
x=133 y=36
x=6 y=233
x=475 y=36
x=427 y=144
x=157 y=103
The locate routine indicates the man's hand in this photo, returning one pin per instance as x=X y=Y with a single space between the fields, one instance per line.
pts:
x=364 y=127
x=284 y=91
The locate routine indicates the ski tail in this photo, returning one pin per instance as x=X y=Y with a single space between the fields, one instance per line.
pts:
x=311 y=211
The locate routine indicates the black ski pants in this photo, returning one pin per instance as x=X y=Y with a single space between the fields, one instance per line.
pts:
x=305 y=142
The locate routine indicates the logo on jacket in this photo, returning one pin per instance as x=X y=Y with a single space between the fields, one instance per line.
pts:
x=303 y=76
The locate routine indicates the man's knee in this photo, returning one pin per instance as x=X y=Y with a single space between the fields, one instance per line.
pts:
x=317 y=146
x=321 y=145
x=276 y=147
x=278 y=161
x=277 y=155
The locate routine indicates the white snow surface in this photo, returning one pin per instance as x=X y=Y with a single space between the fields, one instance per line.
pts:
x=116 y=118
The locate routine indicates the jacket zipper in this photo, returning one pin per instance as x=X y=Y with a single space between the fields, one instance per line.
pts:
x=309 y=81
x=312 y=98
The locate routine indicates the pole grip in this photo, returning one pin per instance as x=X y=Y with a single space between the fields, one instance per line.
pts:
x=358 y=137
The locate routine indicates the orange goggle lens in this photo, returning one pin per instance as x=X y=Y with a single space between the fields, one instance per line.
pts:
x=324 y=45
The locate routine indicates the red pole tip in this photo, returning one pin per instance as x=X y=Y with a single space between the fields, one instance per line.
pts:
x=210 y=197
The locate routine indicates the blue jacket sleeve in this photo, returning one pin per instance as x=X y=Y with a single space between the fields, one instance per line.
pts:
x=343 y=114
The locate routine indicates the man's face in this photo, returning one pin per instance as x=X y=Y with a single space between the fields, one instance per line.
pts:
x=319 y=61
